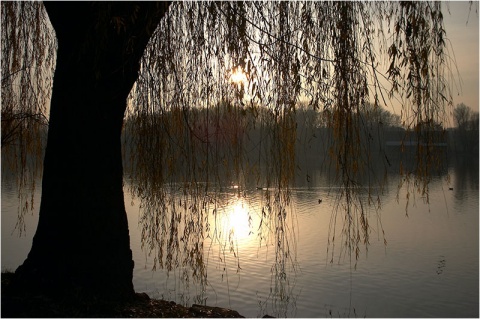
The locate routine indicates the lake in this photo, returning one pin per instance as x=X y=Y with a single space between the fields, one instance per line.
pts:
x=429 y=266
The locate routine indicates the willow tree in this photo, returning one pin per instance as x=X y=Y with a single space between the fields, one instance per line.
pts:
x=171 y=64
x=81 y=244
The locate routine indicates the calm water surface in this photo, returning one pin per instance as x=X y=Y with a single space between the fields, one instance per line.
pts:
x=429 y=267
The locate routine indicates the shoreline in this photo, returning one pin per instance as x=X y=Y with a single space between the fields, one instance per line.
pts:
x=141 y=306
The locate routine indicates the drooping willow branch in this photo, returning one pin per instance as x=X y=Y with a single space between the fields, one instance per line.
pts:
x=189 y=128
x=326 y=49
x=28 y=61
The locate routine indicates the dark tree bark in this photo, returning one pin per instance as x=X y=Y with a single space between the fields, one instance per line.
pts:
x=82 y=245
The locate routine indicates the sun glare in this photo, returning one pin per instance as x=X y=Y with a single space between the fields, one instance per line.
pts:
x=239 y=220
x=238 y=76
x=234 y=223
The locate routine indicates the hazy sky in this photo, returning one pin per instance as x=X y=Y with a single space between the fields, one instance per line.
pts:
x=462 y=27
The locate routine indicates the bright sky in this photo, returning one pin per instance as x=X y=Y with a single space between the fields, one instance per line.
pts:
x=462 y=28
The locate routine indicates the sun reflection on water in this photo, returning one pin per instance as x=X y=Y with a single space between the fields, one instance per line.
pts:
x=239 y=220
x=235 y=222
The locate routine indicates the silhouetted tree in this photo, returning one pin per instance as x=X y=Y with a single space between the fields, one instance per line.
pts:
x=467 y=128
x=461 y=115
x=81 y=245
x=110 y=53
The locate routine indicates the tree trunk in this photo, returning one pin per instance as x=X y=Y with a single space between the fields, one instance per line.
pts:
x=82 y=245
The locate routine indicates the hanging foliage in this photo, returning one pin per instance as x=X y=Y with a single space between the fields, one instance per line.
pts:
x=193 y=127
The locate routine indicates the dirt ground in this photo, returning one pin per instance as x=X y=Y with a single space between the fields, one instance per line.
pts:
x=141 y=306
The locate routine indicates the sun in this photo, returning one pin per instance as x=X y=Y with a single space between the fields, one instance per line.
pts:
x=238 y=76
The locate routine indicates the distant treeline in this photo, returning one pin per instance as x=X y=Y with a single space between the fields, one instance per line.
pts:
x=234 y=135
x=245 y=138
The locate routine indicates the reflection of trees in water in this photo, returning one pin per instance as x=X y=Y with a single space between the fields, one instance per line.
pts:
x=231 y=151
x=184 y=202
x=466 y=173
x=184 y=229
x=23 y=184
